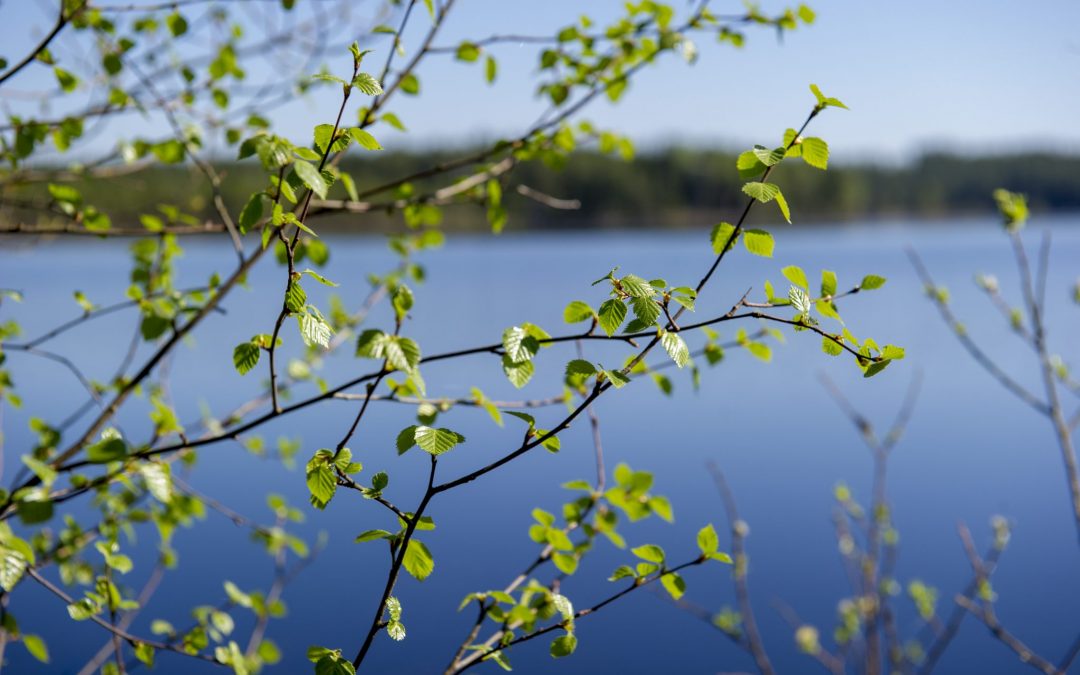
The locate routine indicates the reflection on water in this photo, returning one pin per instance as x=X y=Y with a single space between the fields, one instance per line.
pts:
x=971 y=451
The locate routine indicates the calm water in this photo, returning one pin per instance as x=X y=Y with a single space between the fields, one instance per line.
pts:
x=971 y=451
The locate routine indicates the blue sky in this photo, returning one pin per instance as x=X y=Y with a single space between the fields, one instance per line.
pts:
x=987 y=76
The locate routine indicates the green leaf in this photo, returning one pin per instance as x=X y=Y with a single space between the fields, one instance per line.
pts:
x=401 y=352
x=673 y=584
x=748 y=165
x=367 y=84
x=564 y=645
x=410 y=85
x=245 y=357
x=566 y=563
x=759 y=242
x=646 y=311
x=559 y=539
x=636 y=287
x=372 y=535
x=158 y=480
x=830 y=346
x=721 y=236
x=436 y=441
x=322 y=483
x=177 y=24
x=875 y=368
x=675 y=347
x=892 y=352
x=649 y=552
x=418 y=561
x=707 y=540
x=768 y=157
x=67 y=81
x=519 y=374
x=81 y=610
x=1013 y=208
x=578 y=311
x=364 y=139
x=251 y=213
x=394 y=121
x=519 y=344
x=825 y=101
x=468 y=52
x=393 y=608
x=617 y=378
x=320 y=278
x=782 y=203
x=36 y=646
x=580 y=367
x=15 y=556
x=763 y=192
x=815 y=152
x=612 y=313
x=169 y=152
x=406 y=439
x=799 y=300
x=332 y=664
x=107 y=450
x=795 y=275
x=314 y=330
x=871 y=282
x=311 y=177
x=396 y=630
x=828 y=282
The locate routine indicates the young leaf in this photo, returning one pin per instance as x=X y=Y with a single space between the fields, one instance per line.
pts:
x=519 y=344
x=815 y=152
x=763 y=192
x=673 y=584
x=364 y=139
x=612 y=314
x=676 y=347
x=799 y=300
x=828 y=282
x=311 y=177
x=782 y=203
x=36 y=646
x=646 y=311
x=367 y=84
x=251 y=213
x=871 y=282
x=758 y=242
x=707 y=540
x=436 y=441
x=721 y=236
x=578 y=311
x=418 y=561
x=649 y=552
x=563 y=645
x=830 y=346
x=580 y=367
x=245 y=357
x=519 y=374
x=795 y=275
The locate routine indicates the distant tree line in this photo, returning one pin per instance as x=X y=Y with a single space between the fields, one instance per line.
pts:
x=674 y=187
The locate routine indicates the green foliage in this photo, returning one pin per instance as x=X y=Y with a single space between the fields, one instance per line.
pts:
x=273 y=196
x=1013 y=208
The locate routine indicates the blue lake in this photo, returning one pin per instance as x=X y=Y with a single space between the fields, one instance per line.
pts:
x=970 y=452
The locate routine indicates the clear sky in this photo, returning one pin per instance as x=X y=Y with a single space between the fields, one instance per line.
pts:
x=982 y=76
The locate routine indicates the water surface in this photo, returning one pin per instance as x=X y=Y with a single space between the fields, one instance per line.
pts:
x=971 y=451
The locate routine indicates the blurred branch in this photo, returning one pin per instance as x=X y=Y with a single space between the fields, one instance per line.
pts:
x=739 y=529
